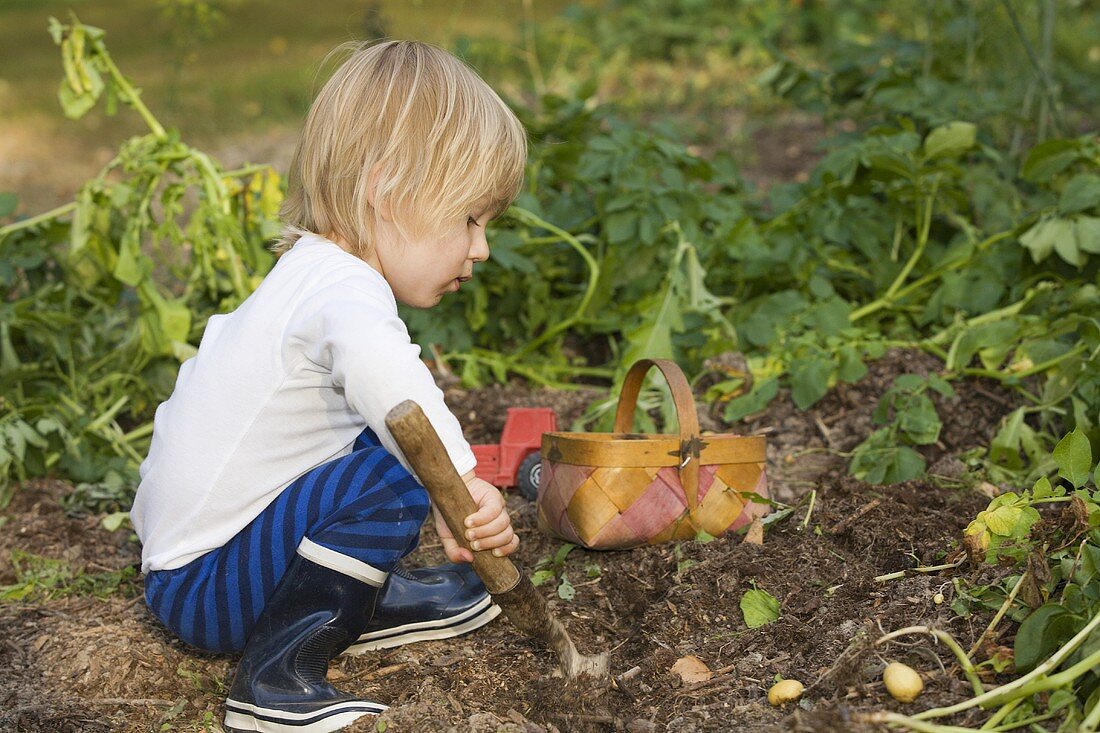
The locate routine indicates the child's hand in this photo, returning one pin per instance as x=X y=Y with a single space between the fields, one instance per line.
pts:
x=489 y=528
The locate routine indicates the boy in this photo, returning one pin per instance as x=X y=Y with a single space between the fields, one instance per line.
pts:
x=274 y=505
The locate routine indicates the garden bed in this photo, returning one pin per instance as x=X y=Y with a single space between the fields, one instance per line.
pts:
x=78 y=662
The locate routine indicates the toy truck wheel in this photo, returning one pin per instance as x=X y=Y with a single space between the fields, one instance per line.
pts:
x=529 y=475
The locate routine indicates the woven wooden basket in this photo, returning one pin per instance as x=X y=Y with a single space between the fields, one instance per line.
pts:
x=615 y=490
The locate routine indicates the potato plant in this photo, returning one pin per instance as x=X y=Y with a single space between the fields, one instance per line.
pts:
x=106 y=295
x=1050 y=537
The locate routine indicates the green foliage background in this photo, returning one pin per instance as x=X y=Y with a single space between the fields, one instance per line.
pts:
x=955 y=209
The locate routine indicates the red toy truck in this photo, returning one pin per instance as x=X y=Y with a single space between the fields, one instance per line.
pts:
x=516 y=461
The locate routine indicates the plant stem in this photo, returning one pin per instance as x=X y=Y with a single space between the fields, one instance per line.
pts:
x=934 y=351
x=1091 y=721
x=921 y=569
x=531 y=50
x=1064 y=677
x=531 y=373
x=1001 y=612
x=1047 y=39
x=912 y=723
x=1001 y=714
x=952 y=265
x=129 y=94
x=109 y=415
x=949 y=641
x=247 y=170
x=1024 y=373
x=1073 y=570
x=992 y=316
x=1044 y=77
x=35 y=220
x=971 y=42
x=925 y=224
x=896 y=292
x=806 y=521
x=139 y=432
x=530 y=219
x=1000 y=694
x=1028 y=721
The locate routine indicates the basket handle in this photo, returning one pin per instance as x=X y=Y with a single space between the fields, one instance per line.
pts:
x=685 y=416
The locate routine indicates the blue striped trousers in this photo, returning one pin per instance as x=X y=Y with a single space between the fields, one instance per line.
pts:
x=364 y=505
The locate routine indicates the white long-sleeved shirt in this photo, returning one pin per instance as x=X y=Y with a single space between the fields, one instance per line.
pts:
x=279 y=386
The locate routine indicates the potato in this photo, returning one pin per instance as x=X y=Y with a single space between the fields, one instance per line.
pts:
x=785 y=691
x=902 y=682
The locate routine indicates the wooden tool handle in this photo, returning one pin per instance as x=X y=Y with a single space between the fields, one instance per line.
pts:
x=522 y=604
x=428 y=458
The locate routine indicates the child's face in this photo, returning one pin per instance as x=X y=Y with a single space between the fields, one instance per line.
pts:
x=422 y=271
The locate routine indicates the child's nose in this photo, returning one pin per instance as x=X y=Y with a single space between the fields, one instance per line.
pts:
x=479 y=248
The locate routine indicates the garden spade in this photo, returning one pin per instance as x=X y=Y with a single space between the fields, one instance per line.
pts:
x=511 y=589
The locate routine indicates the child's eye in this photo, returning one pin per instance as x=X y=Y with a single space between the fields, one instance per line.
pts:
x=471 y=221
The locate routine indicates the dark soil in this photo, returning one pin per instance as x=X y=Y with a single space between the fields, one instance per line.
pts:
x=81 y=663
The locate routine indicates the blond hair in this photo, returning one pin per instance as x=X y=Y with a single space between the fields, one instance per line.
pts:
x=416 y=125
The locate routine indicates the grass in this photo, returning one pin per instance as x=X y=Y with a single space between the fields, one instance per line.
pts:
x=259 y=67
x=40 y=578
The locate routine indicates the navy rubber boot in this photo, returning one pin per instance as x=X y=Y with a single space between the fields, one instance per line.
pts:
x=315 y=612
x=427 y=603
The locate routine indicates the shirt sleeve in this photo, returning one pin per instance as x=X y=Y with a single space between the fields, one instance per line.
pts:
x=377 y=365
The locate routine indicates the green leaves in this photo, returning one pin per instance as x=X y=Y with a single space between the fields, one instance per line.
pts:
x=1047 y=159
x=809 y=380
x=542 y=576
x=1073 y=455
x=911 y=419
x=1072 y=239
x=1071 y=230
x=881 y=460
x=44 y=577
x=1004 y=527
x=950 y=140
x=756 y=400
x=1042 y=238
x=1058 y=569
x=1044 y=631
x=664 y=315
x=1086 y=230
x=1082 y=192
x=552 y=568
x=759 y=608
x=637 y=246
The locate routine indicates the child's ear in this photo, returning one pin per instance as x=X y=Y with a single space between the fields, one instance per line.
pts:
x=381 y=206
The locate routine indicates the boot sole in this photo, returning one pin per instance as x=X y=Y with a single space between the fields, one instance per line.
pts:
x=248 y=717
x=445 y=628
